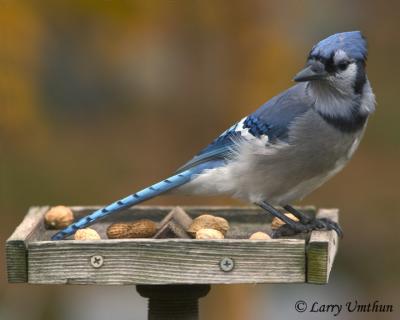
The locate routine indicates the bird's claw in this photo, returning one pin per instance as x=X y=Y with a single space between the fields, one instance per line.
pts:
x=315 y=224
x=328 y=224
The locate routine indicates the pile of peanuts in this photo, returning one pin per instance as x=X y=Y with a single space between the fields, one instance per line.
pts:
x=205 y=226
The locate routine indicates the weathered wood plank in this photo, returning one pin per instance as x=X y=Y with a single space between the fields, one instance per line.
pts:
x=321 y=250
x=166 y=261
x=16 y=252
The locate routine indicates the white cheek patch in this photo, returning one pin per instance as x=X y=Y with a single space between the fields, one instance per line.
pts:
x=345 y=79
x=349 y=74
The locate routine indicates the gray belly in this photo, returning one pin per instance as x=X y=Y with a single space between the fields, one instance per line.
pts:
x=314 y=153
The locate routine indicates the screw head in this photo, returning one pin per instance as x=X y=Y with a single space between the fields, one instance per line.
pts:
x=96 y=261
x=226 y=264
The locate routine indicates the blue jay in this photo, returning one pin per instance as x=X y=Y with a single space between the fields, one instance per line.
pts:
x=284 y=150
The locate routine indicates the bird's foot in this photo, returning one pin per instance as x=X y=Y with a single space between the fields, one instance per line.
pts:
x=314 y=224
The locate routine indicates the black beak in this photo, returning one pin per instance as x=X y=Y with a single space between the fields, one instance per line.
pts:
x=315 y=70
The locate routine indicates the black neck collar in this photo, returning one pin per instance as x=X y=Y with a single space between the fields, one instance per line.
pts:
x=348 y=124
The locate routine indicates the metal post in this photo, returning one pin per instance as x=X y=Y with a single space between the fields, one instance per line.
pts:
x=173 y=302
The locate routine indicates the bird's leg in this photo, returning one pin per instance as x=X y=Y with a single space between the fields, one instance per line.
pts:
x=305 y=224
x=266 y=206
x=304 y=219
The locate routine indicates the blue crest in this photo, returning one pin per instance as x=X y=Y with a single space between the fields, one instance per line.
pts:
x=353 y=43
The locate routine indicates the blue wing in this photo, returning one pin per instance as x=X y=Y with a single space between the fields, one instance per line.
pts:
x=276 y=115
x=272 y=119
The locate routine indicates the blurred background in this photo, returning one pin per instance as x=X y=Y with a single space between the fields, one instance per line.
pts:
x=100 y=98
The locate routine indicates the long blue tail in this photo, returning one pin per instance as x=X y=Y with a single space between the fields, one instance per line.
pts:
x=145 y=194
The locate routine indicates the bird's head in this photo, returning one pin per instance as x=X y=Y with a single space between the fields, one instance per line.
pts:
x=338 y=62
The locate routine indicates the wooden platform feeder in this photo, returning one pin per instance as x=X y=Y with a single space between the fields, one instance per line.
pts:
x=174 y=272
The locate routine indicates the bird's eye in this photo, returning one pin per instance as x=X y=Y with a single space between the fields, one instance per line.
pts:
x=342 y=65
